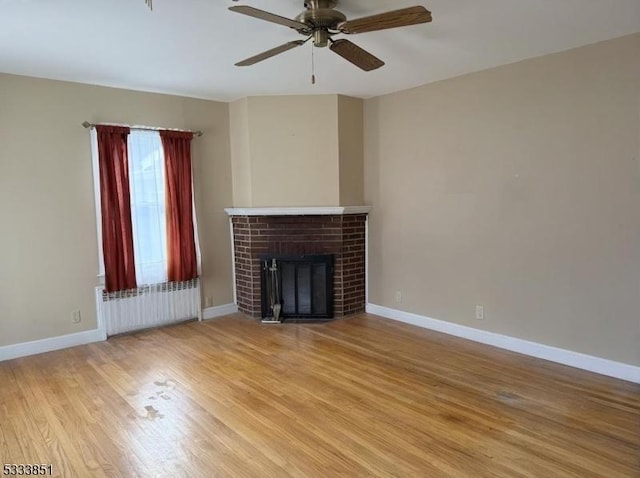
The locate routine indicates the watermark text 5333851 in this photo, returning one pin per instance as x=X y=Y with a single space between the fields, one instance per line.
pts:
x=13 y=469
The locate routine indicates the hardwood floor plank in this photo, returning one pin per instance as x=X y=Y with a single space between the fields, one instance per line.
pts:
x=357 y=397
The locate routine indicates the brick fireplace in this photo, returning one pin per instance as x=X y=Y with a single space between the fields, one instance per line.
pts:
x=340 y=231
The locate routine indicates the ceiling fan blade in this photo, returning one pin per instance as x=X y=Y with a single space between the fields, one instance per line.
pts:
x=356 y=55
x=269 y=53
x=269 y=17
x=382 y=21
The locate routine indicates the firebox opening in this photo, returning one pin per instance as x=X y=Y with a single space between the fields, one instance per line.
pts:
x=297 y=287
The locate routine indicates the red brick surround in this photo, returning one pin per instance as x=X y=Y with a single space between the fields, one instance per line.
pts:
x=340 y=235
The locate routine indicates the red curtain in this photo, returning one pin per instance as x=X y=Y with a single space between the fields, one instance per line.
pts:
x=181 y=245
x=117 y=236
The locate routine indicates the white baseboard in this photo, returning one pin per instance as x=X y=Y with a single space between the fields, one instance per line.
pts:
x=599 y=365
x=219 y=311
x=8 y=352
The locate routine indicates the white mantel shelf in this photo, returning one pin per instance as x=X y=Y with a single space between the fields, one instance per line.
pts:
x=297 y=211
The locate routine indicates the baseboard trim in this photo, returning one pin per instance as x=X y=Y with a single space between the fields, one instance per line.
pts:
x=599 y=365
x=8 y=352
x=219 y=311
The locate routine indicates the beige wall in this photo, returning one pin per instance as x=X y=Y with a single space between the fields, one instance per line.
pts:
x=48 y=251
x=294 y=145
x=517 y=188
x=351 y=150
x=287 y=147
x=240 y=152
x=297 y=151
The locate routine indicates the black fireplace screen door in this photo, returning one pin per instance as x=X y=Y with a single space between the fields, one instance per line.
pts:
x=304 y=286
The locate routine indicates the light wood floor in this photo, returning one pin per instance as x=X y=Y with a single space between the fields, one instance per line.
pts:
x=356 y=397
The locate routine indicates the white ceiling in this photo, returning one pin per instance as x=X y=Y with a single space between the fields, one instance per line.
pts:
x=188 y=47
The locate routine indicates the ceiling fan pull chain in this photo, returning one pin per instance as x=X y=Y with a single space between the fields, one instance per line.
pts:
x=313 y=66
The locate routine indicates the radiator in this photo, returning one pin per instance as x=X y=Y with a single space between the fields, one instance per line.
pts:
x=148 y=306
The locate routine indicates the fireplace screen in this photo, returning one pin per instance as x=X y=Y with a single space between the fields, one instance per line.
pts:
x=297 y=287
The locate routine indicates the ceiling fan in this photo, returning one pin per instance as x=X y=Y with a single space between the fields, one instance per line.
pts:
x=320 y=22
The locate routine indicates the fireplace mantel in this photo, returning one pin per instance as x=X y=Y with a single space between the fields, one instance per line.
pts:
x=298 y=211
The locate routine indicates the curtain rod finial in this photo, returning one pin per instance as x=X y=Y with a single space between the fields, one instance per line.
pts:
x=86 y=124
x=198 y=133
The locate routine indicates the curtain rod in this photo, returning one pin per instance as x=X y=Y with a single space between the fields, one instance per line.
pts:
x=86 y=124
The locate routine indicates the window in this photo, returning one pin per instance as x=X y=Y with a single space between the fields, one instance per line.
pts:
x=148 y=204
x=148 y=213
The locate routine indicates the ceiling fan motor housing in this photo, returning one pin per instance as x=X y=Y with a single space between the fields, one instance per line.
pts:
x=321 y=17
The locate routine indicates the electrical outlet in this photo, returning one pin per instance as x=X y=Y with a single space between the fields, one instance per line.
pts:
x=398 y=296
x=75 y=317
x=480 y=312
x=208 y=300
